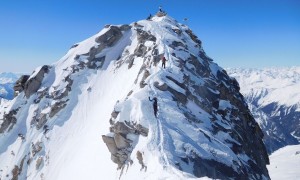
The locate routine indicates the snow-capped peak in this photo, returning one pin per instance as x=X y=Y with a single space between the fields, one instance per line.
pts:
x=182 y=121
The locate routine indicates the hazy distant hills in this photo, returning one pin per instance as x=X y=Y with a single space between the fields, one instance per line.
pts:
x=7 y=80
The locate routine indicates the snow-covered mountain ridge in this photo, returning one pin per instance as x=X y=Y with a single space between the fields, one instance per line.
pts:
x=101 y=87
x=273 y=96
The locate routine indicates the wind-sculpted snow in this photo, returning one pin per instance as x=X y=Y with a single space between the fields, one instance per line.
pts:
x=89 y=115
x=273 y=96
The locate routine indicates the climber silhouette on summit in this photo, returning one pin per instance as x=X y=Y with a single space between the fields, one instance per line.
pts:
x=154 y=105
x=160 y=9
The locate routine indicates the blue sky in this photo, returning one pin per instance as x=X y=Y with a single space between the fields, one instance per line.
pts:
x=235 y=33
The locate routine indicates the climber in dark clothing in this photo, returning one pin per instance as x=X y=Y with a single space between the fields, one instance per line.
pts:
x=160 y=9
x=149 y=17
x=154 y=105
x=163 y=61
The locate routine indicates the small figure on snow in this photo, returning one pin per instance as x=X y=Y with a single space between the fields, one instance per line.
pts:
x=163 y=61
x=154 y=105
x=149 y=17
x=160 y=9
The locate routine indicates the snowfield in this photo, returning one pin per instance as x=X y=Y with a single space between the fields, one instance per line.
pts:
x=285 y=163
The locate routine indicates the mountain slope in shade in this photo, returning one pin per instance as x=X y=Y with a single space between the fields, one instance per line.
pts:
x=273 y=96
x=88 y=116
x=285 y=163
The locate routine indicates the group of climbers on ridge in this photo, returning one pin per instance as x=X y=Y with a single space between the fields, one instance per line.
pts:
x=163 y=60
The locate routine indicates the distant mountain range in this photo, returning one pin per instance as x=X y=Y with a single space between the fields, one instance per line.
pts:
x=273 y=96
x=7 y=81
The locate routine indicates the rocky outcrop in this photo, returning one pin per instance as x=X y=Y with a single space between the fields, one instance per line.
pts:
x=193 y=37
x=118 y=143
x=9 y=120
x=20 y=84
x=57 y=107
x=34 y=83
x=139 y=156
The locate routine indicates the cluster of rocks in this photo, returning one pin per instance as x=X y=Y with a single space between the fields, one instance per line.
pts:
x=20 y=84
x=106 y=40
x=35 y=154
x=118 y=143
x=9 y=120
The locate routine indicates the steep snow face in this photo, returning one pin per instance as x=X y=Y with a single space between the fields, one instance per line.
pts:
x=7 y=81
x=284 y=163
x=102 y=87
x=273 y=96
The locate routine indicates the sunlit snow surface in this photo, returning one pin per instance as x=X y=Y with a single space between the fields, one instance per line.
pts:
x=285 y=163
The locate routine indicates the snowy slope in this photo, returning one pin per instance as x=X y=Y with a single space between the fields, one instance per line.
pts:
x=7 y=81
x=273 y=96
x=100 y=88
x=284 y=163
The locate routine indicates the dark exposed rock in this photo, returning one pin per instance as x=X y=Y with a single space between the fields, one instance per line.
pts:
x=193 y=37
x=39 y=163
x=22 y=164
x=143 y=36
x=137 y=25
x=139 y=156
x=130 y=92
x=163 y=87
x=57 y=107
x=141 y=50
x=39 y=119
x=178 y=96
x=200 y=69
x=9 y=120
x=115 y=114
x=155 y=56
x=130 y=61
x=121 y=141
x=36 y=148
x=74 y=46
x=142 y=130
x=34 y=83
x=176 y=44
x=122 y=128
x=96 y=63
x=20 y=84
x=177 y=31
x=41 y=94
x=161 y=14
x=110 y=37
x=118 y=144
x=15 y=173
x=125 y=27
x=145 y=76
x=215 y=170
x=110 y=143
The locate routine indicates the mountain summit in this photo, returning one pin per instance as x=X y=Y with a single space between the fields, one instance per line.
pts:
x=90 y=116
